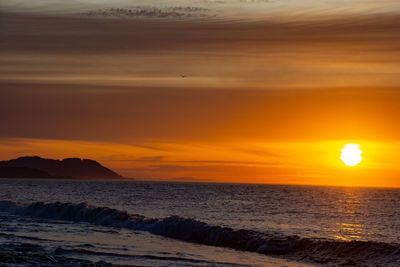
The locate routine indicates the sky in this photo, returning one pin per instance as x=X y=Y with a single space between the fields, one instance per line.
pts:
x=273 y=89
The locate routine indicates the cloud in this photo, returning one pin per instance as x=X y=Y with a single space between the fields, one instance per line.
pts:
x=83 y=35
x=149 y=12
x=133 y=115
x=118 y=81
x=150 y=159
x=220 y=173
x=261 y=152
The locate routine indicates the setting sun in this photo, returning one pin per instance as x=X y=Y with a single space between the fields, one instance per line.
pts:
x=351 y=154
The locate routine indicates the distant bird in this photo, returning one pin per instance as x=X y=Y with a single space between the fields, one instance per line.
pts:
x=183 y=75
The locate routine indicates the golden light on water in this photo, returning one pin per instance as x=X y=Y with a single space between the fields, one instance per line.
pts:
x=351 y=154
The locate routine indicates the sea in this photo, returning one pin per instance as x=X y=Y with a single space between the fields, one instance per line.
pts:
x=134 y=223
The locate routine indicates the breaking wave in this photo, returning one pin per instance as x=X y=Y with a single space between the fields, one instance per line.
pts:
x=313 y=250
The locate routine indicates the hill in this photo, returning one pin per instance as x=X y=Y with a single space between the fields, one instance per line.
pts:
x=50 y=168
x=22 y=172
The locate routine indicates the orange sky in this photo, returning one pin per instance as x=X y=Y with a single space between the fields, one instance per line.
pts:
x=264 y=101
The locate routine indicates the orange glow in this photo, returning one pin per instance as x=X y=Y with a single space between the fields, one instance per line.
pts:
x=264 y=101
x=310 y=162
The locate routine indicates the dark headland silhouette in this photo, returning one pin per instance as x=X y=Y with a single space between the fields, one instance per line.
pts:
x=37 y=167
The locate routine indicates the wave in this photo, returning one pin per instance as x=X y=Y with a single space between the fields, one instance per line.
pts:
x=323 y=251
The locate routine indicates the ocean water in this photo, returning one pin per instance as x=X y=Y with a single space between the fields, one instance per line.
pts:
x=197 y=224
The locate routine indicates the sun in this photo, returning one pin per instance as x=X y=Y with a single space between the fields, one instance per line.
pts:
x=351 y=154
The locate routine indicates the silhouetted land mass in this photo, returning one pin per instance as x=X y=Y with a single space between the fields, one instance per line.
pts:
x=37 y=167
x=22 y=172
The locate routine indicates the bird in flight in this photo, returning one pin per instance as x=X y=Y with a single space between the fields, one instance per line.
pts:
x=183 y=75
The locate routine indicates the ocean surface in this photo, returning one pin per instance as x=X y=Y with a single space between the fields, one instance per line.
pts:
x=196 y=224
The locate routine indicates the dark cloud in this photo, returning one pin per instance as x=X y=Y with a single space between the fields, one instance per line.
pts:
x=118 y=80
x=149 y=12
x=79 y=35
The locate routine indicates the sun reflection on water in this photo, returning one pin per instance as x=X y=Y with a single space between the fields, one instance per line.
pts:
x=351 y=226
